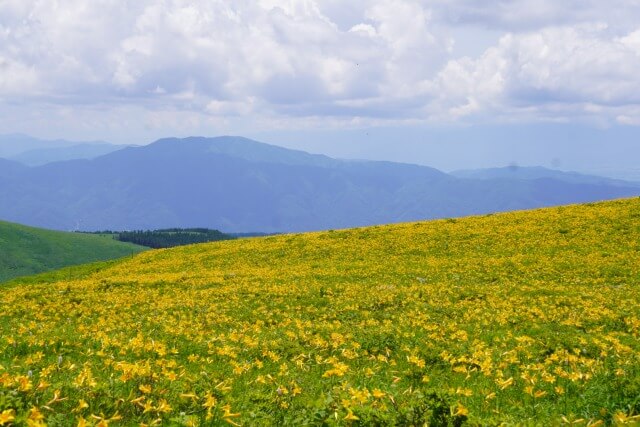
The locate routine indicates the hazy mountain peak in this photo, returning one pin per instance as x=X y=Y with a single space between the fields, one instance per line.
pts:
x=88 y=150
x=535 y=172
x=246 y=149
x=14 y=144
x=236 y=184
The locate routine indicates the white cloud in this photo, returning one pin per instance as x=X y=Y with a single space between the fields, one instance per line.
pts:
x=585 y=69
x=15 y=77
x=532 y=15
x=321 y=61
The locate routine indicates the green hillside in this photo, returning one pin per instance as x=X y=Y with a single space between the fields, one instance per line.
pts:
x=28 y=250
x=524 y=318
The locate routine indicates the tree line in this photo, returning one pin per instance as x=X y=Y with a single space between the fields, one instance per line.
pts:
x=167 y=238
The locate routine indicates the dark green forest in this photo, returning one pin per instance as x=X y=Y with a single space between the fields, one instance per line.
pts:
x=167 y=238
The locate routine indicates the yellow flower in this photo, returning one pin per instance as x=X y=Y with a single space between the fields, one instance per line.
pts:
x=192 y=396
x=351 y=416
x=7 y=416
x=81 y=405
x=504 y=384
x=228 y=413
x=460 y=411
x=42 y=385
x=163 y=406
x=464 y=391
x=539 y=393
x=378 y=394
x=138 y=400
x=145 y=388
x=35 y=414
x=24 y=383
x=296 y=390
x=209 y=401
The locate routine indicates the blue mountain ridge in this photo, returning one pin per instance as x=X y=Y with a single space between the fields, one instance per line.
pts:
x=235 y=184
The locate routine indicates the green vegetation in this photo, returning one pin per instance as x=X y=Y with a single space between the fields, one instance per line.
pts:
x=525 y=318
x=28 y=250
x=168 y=238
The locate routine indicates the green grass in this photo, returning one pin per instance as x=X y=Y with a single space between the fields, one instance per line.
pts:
x=28 y=250
x=522 y=318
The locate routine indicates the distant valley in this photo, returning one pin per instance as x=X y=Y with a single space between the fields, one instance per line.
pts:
x=238 y=185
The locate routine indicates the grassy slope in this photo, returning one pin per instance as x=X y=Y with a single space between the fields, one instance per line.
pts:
x=27 y=250
x=520 y=317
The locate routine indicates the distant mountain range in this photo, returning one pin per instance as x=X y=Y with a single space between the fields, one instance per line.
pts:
x=537 y=172
x=35 y=152
x=236 y=185
x=42 y=156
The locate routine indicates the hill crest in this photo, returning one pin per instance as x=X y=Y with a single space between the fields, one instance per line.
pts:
x=340 y=324
x=28 y=250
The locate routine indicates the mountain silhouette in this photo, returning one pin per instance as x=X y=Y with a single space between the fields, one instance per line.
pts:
x=237 y=185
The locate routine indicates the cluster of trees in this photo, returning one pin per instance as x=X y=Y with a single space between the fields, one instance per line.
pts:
x=169 y=237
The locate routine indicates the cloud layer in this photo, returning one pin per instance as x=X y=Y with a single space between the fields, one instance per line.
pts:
x=301 y=63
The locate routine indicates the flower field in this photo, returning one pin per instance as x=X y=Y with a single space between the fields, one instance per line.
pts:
x=526 y=317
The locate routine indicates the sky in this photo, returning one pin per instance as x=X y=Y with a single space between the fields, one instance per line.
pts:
x=450 y=83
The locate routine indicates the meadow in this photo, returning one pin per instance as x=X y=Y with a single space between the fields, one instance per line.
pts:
x=518 y=318
x=28 y=250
